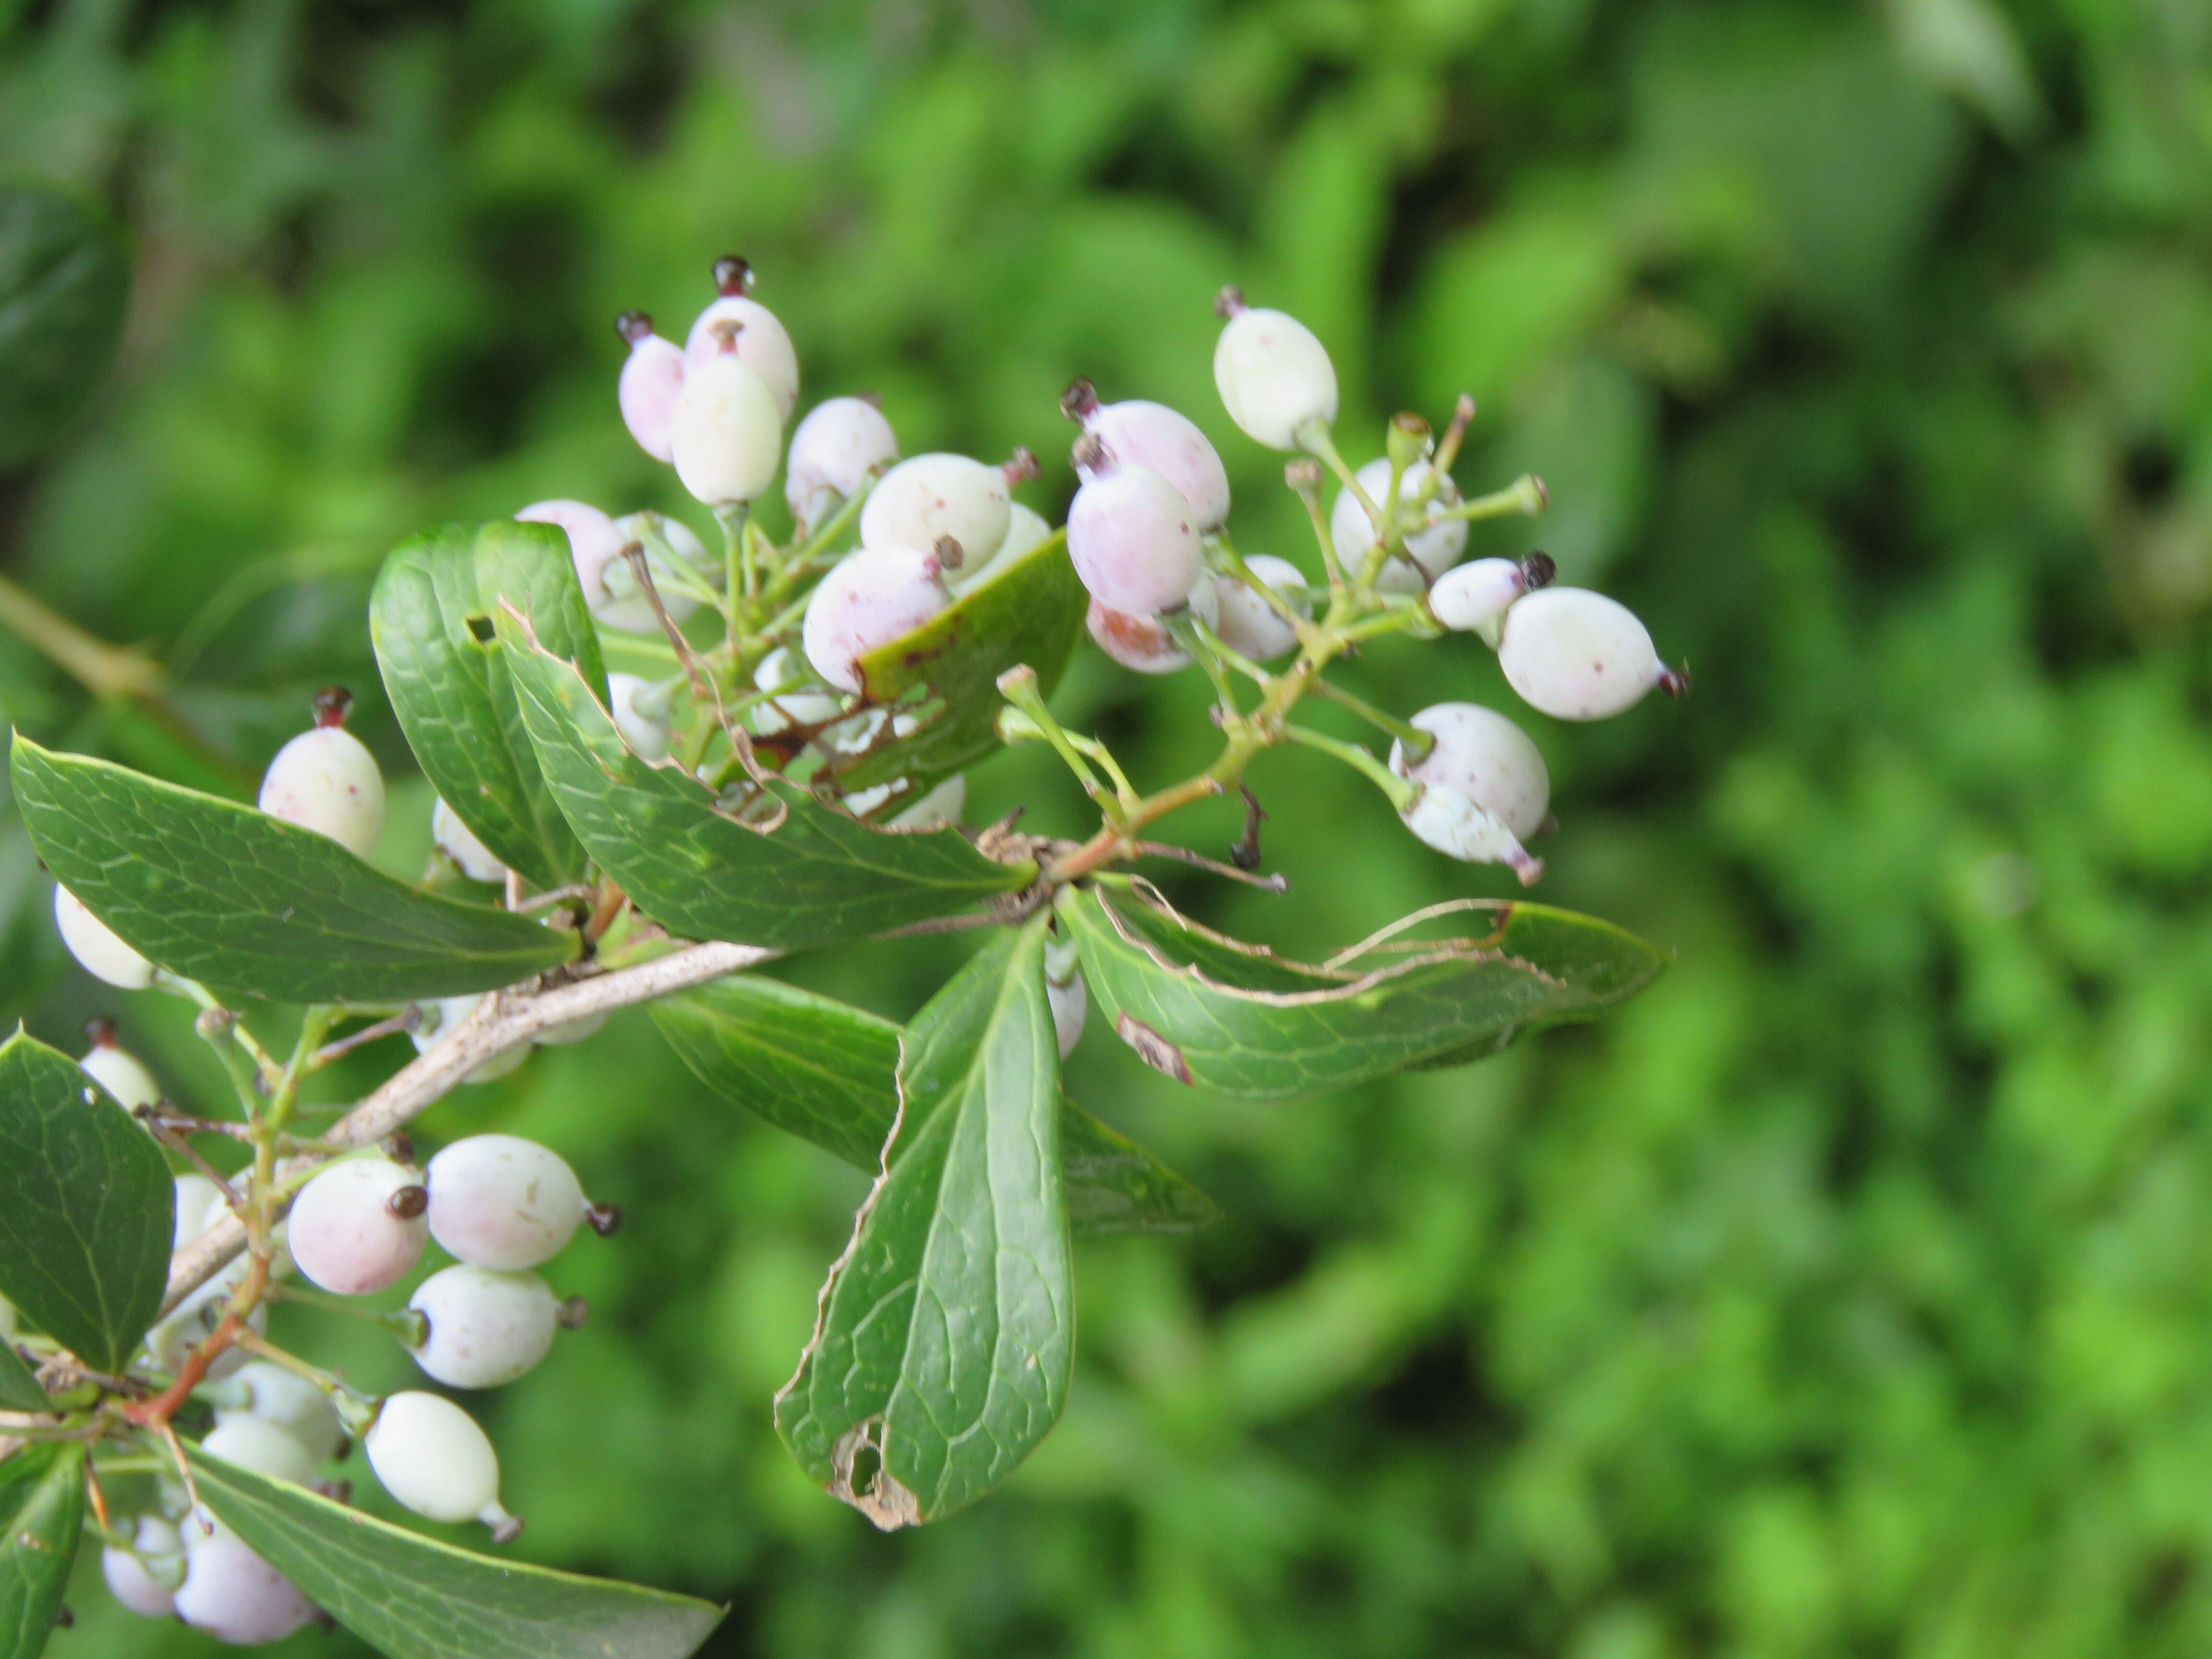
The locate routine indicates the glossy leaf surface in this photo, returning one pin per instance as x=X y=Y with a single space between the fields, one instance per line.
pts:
x=828 y=1073
x=1243 y=1021
x=248 y=903
x=85 y=1207
x=430 y=617
x=808 y=875
x=413 y=1597
x=941 y=1353
x=42 y=1519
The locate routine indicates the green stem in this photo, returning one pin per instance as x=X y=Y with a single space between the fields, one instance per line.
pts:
x=1360 y=759
x=1525 y=494
x=1418 y=742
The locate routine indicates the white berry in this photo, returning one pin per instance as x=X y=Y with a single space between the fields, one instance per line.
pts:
x=920 y=501
x=1473 y=596
x=99 y=951
x=734 y=323
x=875 y=595
x=1134 y=540
x=261 y=1447
x=1139 y=433
x=1578 y=655
x=1071 y=1006
x=118 y=1071
x=941 y=806
x=640 y=709
x=1485 y=786
x=199 y=1205
x=594 y=541
x=1434 y=548
x=840 y=444
x=1026 y=529
x=727 y=432
x=1274 y=377
x=442 y=1017
x=780 y=671
x=1250 y=626
x=570 y=1031
x=485 y=1327
x=620 y=603
x=284 y=1399
x=359 y=1226
x=144 y=1578
x=501 y=1201
x=324 y=779
x=432 y=1459
x=458 y=843
x=652 y=380
x=1144 y=643
x=234 y=1595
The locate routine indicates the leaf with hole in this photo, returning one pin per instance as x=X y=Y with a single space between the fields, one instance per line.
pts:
x=828 y=1073
x=944 y=674
x=247 y=903
x=1239 y=1020
x=64 y=285
x=941 y=1352
x=42 y=1519
x=85 y=1206
x=804 y=874
x=430 y=620
x=412 y=1597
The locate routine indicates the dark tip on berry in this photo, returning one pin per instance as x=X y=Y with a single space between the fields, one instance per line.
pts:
x=1089 y=454
x=733 y=275
x=1537 y=570
x=633 y=326
x=724 y=331
x=1080 y=402
x=64 y=1618
x=408 y=1202
x=1230 y=302
x=338 y=1492
x=1675 y=682
x=507 y=1529
x=344 y=1449
x=99 y=1032
x=333 y=704
x=604 y=1220
x=948 y=553
x=399 y=1145
x=1021 y=466
x=573 y=1313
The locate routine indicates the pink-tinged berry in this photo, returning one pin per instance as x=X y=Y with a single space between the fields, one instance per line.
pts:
x=594 y=541
x=756 y=334
x=652 y=380
x=145 y=1577
x=504 y=1202
x=873 y=596
x=1475 y=597
x=1274 y=376
x=234 y=1595
x=1138 y=433
x=841 y=445
x=1144 y=643
x=359 y=1225
x=326 y=780
x=1132 y=535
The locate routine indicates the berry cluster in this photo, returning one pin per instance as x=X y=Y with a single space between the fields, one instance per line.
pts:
x=881 y=547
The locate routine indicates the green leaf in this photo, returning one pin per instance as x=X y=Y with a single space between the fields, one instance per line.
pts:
x=430 y=618
x=828 y=1073
x=19 y=1384
x=941 y=1353
x=413 y=1598
x=946 y=673
x=42 y=1519
x=1240 y=1020
x=85 y=1204
x=248 y=903
x=64 y=283
x=814 y=877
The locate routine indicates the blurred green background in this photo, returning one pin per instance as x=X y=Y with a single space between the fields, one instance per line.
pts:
x=1851 y=1292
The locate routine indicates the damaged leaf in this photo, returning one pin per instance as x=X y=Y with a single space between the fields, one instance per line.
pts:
x=1239 y=1020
